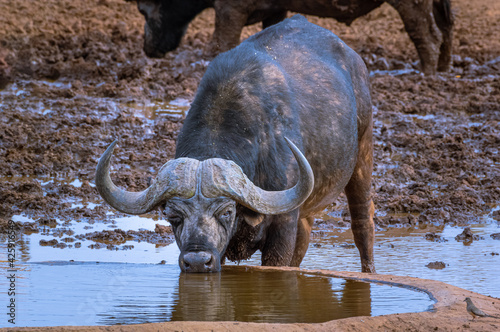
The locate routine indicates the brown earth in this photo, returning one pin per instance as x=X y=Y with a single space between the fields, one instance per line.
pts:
x=436 y=138
x=75 y=76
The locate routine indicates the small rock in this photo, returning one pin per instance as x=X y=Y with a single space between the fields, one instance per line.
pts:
x=434 y=237
x=160 y=229
x=51 y=243
x=437 y=265
x=468 y=236
x=495 y=236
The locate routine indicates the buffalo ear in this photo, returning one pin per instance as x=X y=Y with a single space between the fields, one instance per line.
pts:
x=251 y=217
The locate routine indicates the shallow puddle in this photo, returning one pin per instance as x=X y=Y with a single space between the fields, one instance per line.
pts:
x=109 y=293
x=30 y=249
x=149 y=109
x=152 y=109
x=405 y=251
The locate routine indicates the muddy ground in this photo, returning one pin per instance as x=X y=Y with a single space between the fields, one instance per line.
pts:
x=74 y=78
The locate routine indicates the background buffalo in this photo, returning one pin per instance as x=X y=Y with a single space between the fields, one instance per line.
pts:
x=429 y=22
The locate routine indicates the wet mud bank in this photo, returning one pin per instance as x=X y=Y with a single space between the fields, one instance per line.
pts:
x=79 y=79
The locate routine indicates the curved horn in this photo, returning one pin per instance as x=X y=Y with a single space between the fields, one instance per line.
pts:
x=176 y=178
x=224 y=178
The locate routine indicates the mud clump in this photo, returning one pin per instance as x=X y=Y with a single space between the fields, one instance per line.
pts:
x=30 y=227
x=435 y=237
x=119 y=236
x=495 y=236
x=467 y=236
x=50 y=222
x=51 y=243
x=496 y=215
x=437 y=265
x=163 y=230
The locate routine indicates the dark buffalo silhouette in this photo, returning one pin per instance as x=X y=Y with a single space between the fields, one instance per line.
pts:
x=428 y=22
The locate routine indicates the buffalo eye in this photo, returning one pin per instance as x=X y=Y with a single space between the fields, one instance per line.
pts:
x=173 y=217
x=174 y=220
x=226 y=214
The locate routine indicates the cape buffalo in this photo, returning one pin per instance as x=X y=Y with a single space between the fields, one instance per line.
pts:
x=428 y=22
x=280 y=125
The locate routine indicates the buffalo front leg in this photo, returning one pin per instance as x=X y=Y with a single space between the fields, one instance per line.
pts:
x=304 y=228
x=229 y=23
x=420 y=25
x=280 y=240
x=358 y=192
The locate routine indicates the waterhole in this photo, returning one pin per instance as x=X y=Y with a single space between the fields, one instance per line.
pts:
x=128 y=285
x=72 y=293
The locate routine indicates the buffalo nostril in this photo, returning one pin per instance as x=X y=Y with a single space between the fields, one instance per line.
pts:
x=199 y=261
x=209 y=266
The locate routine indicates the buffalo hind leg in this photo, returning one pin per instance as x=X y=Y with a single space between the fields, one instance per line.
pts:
x=420 y=25
x=444 y=20
x=304 y=228
x=358 y=192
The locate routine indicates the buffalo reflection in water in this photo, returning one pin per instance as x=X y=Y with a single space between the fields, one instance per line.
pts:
x=248 y=295
x=245 y=295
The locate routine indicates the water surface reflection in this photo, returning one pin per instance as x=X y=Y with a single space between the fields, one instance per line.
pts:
x=72 y=293
x=244 y=295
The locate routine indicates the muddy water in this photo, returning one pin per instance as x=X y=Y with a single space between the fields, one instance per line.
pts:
x=115 y=285
x=68 y=293
x=406 y=251
x=127 y=285
x=154 y=109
